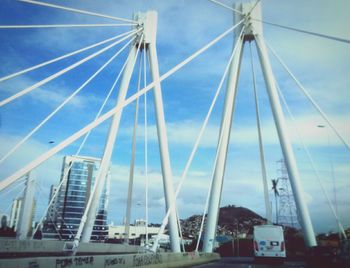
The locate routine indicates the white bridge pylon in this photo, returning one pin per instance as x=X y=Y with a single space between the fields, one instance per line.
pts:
x=147 y=41
x=252 y=30
x=248 y=28
x=146 y=28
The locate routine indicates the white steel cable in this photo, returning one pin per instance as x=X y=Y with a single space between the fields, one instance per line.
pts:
x=201 y=132
x=77 y=11
x=65 y=175
x=208 y=195
x=35 y=26
x=50 y=203
x=335 y=38
x=261 y=147
x=17 y=195
x=216 y=155
x=41 y=191
x=145 y=141
x=47 y=118
x=62 y=71
x=194 y=55
x=20 y=181
x=312 y=163
x=251 y=10
x=63 y=56
x=226 y=6
x=36 y=162
x=313 y=102
x=132 y=160
x=90 y=201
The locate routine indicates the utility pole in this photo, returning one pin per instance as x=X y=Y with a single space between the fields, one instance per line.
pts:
x=287 y=211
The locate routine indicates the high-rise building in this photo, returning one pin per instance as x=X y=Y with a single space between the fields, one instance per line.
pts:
x=16 y=209
x=51 y=211
x=65 y=213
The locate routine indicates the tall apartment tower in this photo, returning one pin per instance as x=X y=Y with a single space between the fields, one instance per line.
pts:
x=64 y=215
x=16 y=210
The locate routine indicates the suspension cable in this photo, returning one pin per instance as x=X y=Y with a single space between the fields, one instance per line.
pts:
x=216 y=157
x=41 y=191
x=215 y=161
x=335 y=38
x=36 y=162
x=65 y=175
x=89 y=203
x=226 y=6
x=312 y=163
x=31 y=133
x=132 y=160
x=77 y=10
x=62 y=71
x=255 y=4
x=196 y=145
x=21 y=181
x=261 y=148
x=34 y=26
x=63 y=56
x=208 y=194
x=145 y=141
x=313 y=102
x=16 y=197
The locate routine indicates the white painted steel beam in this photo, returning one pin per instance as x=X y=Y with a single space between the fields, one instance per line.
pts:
x=7 y=181
x=282 y=131
x=268 y=208
x=225 y=131
x=287 y=149
x=150 y=39
x=27 y=209
x=93 y=205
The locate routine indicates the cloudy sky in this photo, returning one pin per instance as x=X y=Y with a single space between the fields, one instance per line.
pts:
x=321 y=65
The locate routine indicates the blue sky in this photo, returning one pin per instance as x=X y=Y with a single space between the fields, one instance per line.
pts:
x=183 y=27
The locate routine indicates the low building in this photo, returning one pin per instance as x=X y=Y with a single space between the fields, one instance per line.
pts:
x=137 y=230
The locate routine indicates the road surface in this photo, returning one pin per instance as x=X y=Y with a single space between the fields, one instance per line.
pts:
x=236 y=262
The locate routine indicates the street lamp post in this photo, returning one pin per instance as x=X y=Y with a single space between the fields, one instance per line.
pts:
x=330 y=158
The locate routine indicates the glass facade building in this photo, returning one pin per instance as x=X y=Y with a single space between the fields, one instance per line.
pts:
x=67 y=209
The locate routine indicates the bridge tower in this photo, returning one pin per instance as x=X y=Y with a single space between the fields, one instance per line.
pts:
x=145 y=40
x=251 y=30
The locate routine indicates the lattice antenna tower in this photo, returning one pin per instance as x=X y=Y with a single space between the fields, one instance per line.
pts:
x=287 y=212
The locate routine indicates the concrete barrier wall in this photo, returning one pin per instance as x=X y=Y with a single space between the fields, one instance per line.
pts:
x=13 y=246
x=116 y=261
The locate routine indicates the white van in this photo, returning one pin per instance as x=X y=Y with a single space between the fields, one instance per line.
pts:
x=269 y=242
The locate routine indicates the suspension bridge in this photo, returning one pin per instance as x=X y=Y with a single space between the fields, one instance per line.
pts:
x=78 y=226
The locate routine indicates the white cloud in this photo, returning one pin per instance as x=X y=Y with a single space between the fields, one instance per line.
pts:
x=185 y=26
